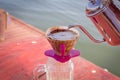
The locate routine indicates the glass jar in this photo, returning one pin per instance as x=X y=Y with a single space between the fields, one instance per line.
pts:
x=55 y=70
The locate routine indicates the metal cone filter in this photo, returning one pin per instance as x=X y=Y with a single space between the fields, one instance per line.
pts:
x=56 y=43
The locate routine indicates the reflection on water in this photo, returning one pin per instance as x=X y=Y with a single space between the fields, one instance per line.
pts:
x=46 y=13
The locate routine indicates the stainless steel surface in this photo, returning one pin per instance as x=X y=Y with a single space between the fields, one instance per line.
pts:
x=105 y=14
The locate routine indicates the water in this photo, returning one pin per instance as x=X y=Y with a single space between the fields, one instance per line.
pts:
x=46 y=13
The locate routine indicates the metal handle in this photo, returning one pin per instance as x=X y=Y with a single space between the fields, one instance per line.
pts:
x=87 y=33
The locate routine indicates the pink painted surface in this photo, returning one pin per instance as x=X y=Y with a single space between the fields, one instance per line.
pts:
x=24 y=49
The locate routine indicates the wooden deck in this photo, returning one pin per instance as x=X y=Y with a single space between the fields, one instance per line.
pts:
x=24 y=48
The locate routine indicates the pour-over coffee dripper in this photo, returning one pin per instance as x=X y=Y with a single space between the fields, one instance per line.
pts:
x=62 y=41
x=59 y=65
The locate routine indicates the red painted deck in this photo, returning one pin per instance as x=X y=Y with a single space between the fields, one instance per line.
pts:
x=24 y=49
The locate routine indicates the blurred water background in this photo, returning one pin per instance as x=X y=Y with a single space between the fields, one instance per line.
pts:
x=46 y=13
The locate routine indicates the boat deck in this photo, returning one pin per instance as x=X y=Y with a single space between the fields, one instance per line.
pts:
x=24 y=49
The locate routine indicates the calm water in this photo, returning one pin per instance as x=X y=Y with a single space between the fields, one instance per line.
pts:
x=46 y=13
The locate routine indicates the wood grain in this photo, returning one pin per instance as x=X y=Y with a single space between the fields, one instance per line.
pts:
x=24 y=49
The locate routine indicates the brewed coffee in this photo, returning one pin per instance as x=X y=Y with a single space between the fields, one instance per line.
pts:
x=62 y=35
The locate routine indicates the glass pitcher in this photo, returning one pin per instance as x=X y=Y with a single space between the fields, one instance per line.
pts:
x=54 y=70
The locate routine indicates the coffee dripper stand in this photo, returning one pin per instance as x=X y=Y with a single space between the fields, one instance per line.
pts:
x=57 y=67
